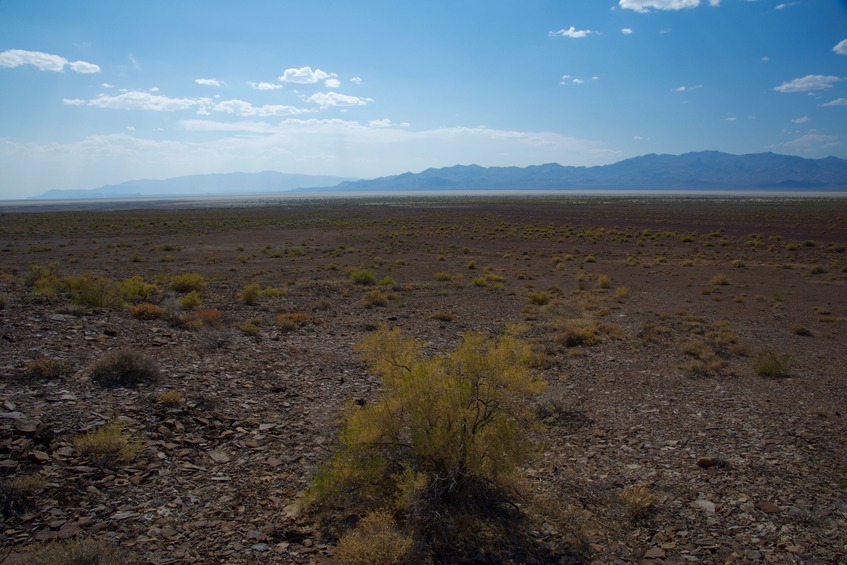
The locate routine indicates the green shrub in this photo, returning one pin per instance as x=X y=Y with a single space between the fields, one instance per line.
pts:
x=442 y=426
x=124 y=367
x=250 y=295
x=93 y=291
x=539 y=298
x=362 y=276
x=108 y=442
x=375 y=298
x=386 y=281
x=443 y=276
x=135 y=288
x=190 y=301
x=769 y=363
x=188 y=282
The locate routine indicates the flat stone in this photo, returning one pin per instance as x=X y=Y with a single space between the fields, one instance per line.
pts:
x=655 y=553
x=767 y=507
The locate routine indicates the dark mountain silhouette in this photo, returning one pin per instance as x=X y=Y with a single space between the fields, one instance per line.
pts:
x=705 y=170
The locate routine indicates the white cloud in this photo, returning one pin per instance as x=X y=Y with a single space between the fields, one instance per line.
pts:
x=264 y=85
x=688 y=88
x=813 y=140
x=638 y=138
x=44 y=61
x=334 y=99
x=841 y=47
x=785 y=5
x=356 y=80
x=578 y=81
x=209 y=82
x=135 y=100
x=800 y=120
x=332 y=83
x=242 y=108
x=153 y=89
x=807 y=83
x=73 y=102
x=84 y=68
x=646 y=5
x=107 y=85
x=304 y=75
x=766 y=59
x=626 y=31
x=836 y=102
x=572 y=32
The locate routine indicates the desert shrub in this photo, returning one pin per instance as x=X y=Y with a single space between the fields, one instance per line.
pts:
x=320 y=305
x=107 y=443
x=443 y=276
x=442 y=316
x=250 y=295
x=375 y=541
x=719 y=280
x=124 y=367
x=442 y=425
x=817 y=269
x=93 y=291
x=190 y=301
x=590 y=259
x=187 y=282
x=374 y=298
x=637 y=501
x=171 y=397
x=707 y=360
x=578 y=333
x=798 y=329
x=135 y=288
x=45 y=279
x=386 y=281
x=770 y=363
x=622 y=292
x=288 y=321
x=45 y=368
x=539 y=298
x=4 y=301
x=76 y=552
x=362 y=276
x=249 y=327
x=272 y=291
x=146 y=311
x=604 y=281
x=209 y=317
x=471 y=265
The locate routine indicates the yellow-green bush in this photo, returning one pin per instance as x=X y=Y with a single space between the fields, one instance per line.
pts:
x=188 y=282
x=442 y=426
x=251 y=293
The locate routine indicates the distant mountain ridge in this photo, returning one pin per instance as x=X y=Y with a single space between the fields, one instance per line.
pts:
x=704 y=170
x=201 y=185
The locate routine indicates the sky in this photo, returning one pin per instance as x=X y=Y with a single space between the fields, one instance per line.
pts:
x=100 y=92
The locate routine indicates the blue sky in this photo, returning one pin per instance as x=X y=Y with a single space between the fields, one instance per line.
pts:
x=101 y=92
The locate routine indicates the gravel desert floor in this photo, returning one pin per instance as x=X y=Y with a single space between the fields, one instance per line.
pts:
x=694 y=350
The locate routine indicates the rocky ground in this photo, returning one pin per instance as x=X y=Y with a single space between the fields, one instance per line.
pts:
x=662 y=442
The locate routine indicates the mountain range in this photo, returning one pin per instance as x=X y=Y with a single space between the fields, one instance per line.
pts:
x=704 y=170
x=200 y=185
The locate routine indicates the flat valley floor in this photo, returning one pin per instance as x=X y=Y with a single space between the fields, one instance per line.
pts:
x=695 y=351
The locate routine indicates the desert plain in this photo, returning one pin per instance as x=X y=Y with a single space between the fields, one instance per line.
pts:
x=694 y=351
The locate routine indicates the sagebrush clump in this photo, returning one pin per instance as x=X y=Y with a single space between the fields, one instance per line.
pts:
x=125 y=367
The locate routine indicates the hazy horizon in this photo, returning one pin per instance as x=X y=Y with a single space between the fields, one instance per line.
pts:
x=102 y=93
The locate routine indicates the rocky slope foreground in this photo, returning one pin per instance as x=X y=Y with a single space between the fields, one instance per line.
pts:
x=663 y=440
